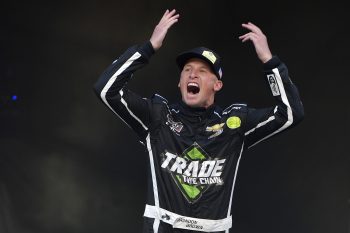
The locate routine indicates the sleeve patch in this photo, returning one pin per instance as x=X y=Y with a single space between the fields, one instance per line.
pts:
x=273 y=85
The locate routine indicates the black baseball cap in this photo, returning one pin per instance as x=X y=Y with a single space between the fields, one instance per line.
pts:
x=208 y=55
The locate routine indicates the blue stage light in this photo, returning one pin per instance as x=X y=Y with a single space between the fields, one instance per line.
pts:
x=14 y=97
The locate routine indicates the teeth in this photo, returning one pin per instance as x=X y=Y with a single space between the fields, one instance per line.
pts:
x=192 y=88
x=193 y=84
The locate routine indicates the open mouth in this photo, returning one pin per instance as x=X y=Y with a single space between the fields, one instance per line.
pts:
x=193 y=88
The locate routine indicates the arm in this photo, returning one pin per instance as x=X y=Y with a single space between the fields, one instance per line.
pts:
x=264 y=123
x=111 y=86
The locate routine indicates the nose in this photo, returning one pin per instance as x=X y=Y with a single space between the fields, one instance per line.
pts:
x=193 y=74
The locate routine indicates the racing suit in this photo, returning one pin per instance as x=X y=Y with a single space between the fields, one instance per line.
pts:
x=194 y=153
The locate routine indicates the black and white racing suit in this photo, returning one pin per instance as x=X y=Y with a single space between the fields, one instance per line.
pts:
x=194 y=153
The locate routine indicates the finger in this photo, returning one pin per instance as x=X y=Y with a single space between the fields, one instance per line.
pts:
x=173 y=22
x=242 y=36
x=256 y=27
x=165 y=13
x=171 y=13
x=247 y=34
x=168 y=23
x=251 y=37
x=249 y=27
x=163 y=17
x=252 y=27
x=169 y=16
x=246 y=38
x=172 y=19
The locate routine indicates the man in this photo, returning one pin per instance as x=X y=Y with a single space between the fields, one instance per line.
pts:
x=194 y=146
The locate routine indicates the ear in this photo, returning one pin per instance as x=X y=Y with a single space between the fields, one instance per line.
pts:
x=218 y=85
x=178 y=85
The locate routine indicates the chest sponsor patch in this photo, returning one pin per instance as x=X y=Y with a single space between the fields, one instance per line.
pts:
x=193 y=171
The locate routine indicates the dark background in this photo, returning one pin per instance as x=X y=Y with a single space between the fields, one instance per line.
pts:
x=67 y=164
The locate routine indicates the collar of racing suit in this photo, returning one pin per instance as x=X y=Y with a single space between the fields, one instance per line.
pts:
x=196 y=114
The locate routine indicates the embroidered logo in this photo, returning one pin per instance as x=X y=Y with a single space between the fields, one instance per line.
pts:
x=273 y=84
x=176 y=127
x=188 y=223
x=233 y=122
x=166 y=217
x=209 y=55
x=216 y=129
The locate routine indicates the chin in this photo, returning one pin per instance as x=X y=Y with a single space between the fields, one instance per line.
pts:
x=194 y=101
x=194 y=104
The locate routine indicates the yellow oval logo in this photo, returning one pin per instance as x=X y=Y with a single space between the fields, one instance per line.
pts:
x=233 y=122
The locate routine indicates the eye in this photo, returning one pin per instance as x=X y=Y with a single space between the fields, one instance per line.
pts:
x=187 y=69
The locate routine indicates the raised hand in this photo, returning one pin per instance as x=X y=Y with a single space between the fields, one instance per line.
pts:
x=259 y=40
x=158 y=35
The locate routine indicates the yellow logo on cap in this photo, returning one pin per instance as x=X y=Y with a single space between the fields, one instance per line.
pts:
x=233 y=122
x=209 y=55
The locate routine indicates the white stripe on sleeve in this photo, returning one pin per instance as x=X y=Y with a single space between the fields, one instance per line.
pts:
x=110 y=83
x=289 y=110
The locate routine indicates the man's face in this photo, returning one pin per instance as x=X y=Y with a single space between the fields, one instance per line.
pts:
x=198 y=84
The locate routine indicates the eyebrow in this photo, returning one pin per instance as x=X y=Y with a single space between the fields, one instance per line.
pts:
x=202 y=66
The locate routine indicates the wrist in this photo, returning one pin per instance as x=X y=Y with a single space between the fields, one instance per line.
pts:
x=266 y=58
x=155 y=45
x=146 y=49
x=272 y=63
